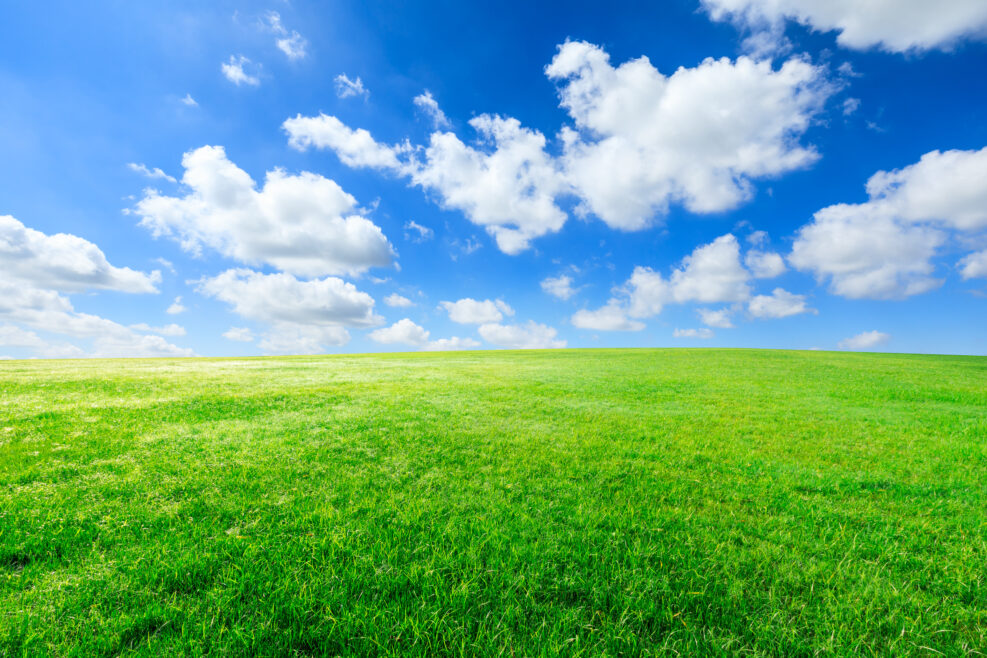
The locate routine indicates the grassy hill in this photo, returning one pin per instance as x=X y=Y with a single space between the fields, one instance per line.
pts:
x=581 y=502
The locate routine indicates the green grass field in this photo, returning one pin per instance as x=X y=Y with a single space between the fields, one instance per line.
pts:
x=582 y=502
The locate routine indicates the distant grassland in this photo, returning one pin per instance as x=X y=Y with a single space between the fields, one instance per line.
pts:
x=582 y=502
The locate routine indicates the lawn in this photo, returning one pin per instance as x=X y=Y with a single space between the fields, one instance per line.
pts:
x=575 y=502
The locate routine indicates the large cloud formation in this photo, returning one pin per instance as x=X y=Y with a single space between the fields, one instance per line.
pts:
x=898 y=26
x=36 y=269
x=883 y=248
x=640 y=141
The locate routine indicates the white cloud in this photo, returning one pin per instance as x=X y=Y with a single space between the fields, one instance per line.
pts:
x=397 y=301
x=471 y=311
x=150 y=173
x=427 y=104
x=282 y=298
x=508 y=188
x=304 y=224
x=167 y=330
x=63 y=262
x=448 y=344
x=415 y=232
x=529 y=336
x=239 y=334
x=702 y=334
x=304 y=316
x=176 y=307
x=346 y=88
x=711 y=274
x=355 y=148
x=287 y=338
x=779 y=304
x=643 y=141
x=867 y=254
x=233 y=70
x=764 y=264
x=559 y=286
x=47 y=310
x=864 y=340
x=611 y=317
x=13 y=336
x=719 y=319
x=697 y=137
x=900 y=26
x=883 y=248
x=850 y=105
x=403 y=331
x=189 y=101
x=943 y=187
x=974 y=265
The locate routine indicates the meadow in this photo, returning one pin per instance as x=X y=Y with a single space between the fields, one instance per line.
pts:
x=575 y=502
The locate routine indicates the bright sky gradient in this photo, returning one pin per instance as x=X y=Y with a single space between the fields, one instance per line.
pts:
x=306 y=177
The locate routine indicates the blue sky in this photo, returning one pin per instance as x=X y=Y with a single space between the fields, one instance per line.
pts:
x=289 y=177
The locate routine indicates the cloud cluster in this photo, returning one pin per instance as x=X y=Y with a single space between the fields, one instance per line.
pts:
x=304 y=316
x=36 y=269
x=712 y=274
x=641 y=141
x=883 y=248
x=64 y=262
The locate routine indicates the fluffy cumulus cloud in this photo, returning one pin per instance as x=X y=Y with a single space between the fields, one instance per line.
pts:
x=558 y=286
x=397 y=301
x=716 y=318
x=864 y=340
x=779 y=304
x=697 y=137
x=472 y=311
x=403 y=332
x=303 y=224
x=611 y=317
x=64 y=262
x=528 y=336
x=508 y=185
x=303 y=316
x=22 y=305
x=712 y=274
x=764 y=264
x=642 y=140
x=355 y=147
x=901 y=26
x=974 y=265
x=883 y=248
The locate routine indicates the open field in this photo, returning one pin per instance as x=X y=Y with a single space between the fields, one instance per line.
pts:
x=589 y=502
